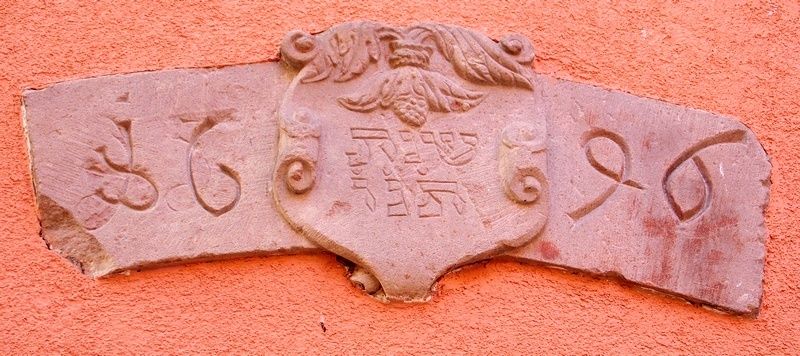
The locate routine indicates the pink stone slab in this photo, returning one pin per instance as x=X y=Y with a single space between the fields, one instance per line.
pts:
x=662 y=195
x=146 y=169
x=149 y=168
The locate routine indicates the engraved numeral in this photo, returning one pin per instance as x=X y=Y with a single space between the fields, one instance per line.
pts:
x=689 y=172
x=121 y=181
x=607 y=153
x=216 y=186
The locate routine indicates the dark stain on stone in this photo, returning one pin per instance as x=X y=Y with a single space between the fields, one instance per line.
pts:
x=713 y=291
x=715 y=257
x=338 y=207
x=591 y=118
x=714 y=224
x=549 y=250
x=633 y=207
x=664 y=229
x=713 y=231
x=647 y=143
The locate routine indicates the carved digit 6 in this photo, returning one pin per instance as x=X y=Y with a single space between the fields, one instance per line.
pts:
x=681 y=199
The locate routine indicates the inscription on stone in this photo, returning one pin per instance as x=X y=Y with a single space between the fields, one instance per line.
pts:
x=409 y=151
x=666 y=196
x=116 y=178
x=383 y=161
x=608 y=153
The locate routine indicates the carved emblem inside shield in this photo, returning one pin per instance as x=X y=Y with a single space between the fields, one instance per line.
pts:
x=410 y=151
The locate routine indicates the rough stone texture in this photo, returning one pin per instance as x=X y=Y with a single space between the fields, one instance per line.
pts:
x=144 y=169
x=662 y=195
x=737 y=59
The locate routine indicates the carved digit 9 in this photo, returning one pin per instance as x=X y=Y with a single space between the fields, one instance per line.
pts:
x=608 y=153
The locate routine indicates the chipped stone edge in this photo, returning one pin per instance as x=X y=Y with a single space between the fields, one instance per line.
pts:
x=58 y=228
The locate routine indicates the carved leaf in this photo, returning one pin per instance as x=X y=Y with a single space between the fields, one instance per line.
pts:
x=476 y=57
x=319 y=69
x=354 y=49
x=346 y=55
x=444 y=95
x=367 y=101
x=411 y=93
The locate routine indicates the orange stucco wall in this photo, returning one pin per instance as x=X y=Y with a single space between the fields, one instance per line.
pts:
x=736 y=58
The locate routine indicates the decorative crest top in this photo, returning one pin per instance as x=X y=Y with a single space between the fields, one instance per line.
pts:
x=411 y=85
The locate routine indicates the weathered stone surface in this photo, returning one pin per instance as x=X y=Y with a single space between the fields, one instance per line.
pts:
x=141 y=169
x=409 y=151
x=659 y=194
x=397 y=153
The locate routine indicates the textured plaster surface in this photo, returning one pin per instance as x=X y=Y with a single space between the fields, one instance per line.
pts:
x=734 y=58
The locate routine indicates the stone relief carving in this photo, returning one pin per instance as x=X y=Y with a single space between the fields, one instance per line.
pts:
x=409 y=151
x=299 y=146
x=521 y=159
x=414 y=175
x=410 y=88
x=608 y=153
x=117 y=179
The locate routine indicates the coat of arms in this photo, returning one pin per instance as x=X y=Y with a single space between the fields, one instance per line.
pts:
x=409 y=150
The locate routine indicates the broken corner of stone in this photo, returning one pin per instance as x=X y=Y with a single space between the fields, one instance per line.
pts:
x=148 y=169
x=65 y=236
x=62 y=233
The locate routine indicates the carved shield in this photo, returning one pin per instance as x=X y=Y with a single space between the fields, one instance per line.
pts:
x=411 y=151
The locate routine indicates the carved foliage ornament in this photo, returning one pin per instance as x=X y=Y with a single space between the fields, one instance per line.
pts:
x=410 y=87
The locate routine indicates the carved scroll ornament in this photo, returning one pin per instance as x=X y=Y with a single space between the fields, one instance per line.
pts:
x=409 y=151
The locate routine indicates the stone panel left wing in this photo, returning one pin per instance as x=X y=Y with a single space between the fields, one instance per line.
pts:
x=156 y=167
